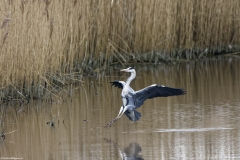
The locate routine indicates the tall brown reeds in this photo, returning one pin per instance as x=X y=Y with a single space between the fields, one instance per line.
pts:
x=46 y=38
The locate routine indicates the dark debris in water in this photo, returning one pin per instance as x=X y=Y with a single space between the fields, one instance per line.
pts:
x=3 y=137
x=51 y=123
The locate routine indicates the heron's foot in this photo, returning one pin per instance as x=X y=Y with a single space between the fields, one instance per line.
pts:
x=109 y=124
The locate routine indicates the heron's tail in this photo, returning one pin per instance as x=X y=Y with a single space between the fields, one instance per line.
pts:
x=137 y=115
x=133 y=115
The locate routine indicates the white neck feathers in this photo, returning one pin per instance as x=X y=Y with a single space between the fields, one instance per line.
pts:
x=129 y=80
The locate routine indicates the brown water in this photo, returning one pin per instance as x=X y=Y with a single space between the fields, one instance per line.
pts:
x=203 y=124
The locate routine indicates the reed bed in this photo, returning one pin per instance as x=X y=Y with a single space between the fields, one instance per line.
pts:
x=45 y=43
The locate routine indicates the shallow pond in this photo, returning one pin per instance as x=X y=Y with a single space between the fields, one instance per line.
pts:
x=203 y=124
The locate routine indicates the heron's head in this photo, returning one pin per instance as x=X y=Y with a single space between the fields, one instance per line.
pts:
x=129 y=69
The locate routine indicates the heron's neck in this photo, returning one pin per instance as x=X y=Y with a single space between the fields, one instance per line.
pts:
x=129 y=80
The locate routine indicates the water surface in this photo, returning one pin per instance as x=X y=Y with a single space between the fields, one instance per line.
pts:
x=203 y=124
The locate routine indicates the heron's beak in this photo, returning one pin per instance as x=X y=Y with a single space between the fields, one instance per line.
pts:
x=125 y=70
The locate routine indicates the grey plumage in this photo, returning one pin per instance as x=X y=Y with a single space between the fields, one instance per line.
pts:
x=154 y=91
x=133 y=115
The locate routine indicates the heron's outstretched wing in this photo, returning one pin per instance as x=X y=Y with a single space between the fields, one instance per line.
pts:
x=118 y=84
x=155 y=91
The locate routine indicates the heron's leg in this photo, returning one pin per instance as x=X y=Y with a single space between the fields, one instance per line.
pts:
x=115 y=119
x=111 y=122
x=121 y=109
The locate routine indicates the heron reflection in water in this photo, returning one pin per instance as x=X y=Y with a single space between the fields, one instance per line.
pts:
x=135 y=99
x=131 y=152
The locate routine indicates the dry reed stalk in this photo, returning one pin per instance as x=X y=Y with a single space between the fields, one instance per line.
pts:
x=5 y=22
x=5 y=37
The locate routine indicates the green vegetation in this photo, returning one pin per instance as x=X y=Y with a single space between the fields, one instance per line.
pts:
x=46 y=43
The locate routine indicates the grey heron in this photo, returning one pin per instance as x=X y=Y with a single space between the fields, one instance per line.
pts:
x=135 y=99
